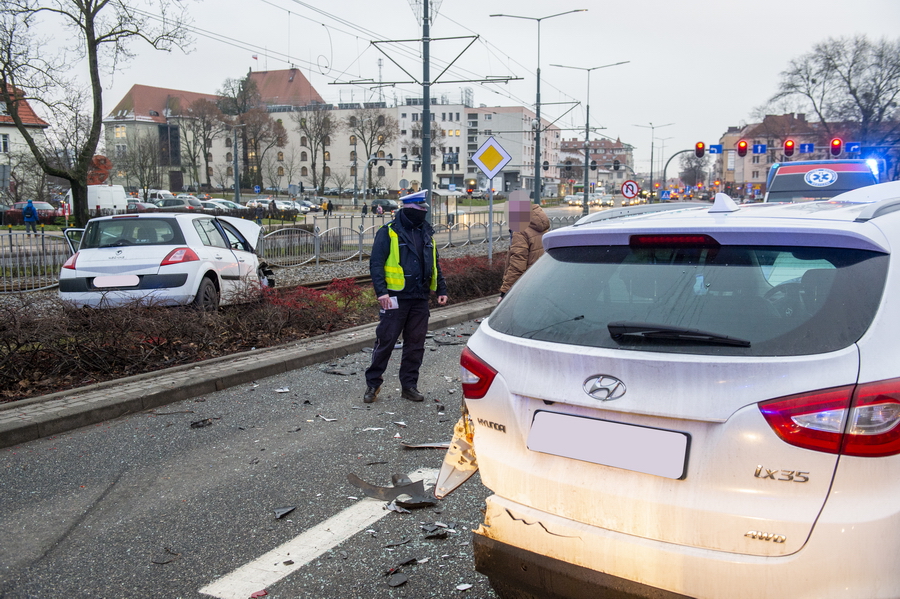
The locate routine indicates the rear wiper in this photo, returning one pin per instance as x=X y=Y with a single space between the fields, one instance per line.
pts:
x=660 y=331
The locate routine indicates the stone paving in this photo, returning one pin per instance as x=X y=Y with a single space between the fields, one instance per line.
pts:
x=37 y=417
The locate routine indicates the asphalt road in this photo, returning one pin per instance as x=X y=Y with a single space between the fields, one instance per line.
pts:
x=148 y=506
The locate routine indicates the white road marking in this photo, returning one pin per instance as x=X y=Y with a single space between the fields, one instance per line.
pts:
x=270 y=568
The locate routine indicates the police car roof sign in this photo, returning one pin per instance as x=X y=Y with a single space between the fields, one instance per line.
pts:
x=491 y=158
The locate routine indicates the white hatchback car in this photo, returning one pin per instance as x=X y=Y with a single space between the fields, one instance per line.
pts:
x=164 y=259
x=700 y=402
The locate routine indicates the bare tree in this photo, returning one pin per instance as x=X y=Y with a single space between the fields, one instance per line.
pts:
x=221 y=176
x=318 y=125
x=341 y=179
x=374 y=130
x=202 y=123
x=261 y=133
x=100 y=34
x=852 y=84
x=141 y=161
x=291 y=165
x=26 y=179
x=693 y=169
x=236 y=98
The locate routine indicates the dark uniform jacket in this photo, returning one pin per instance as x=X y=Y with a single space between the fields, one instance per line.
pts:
x=416 y=271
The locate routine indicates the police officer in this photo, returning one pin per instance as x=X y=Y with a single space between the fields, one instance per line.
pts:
x=404 y=268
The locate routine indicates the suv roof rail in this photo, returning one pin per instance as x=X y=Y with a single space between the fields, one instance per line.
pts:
x=877 y=209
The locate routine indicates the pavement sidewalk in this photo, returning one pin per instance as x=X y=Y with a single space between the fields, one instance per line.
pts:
x=52 y=414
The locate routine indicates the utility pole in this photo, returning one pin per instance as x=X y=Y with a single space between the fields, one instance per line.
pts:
x=426 y=110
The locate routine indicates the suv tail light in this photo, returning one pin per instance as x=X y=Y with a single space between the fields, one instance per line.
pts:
x=861 y=420
x=70 y=263
x=475 y=375
x=179 y=255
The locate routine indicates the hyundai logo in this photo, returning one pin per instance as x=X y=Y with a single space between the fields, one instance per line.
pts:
x=604 y=387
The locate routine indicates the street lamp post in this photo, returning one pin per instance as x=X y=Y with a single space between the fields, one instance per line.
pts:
x=538 y=130
x=653 y=129
x=587 y=124
x=663 y=183
x=237 y=174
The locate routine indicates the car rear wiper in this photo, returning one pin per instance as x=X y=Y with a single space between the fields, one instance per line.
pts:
x=660 y=331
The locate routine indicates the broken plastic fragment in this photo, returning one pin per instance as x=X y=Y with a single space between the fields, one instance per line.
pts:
x=439 y=445
x=392 y=506
x=401 y=424
x=325 y=419
x=262 y=593
x=339 y=371
x=460 y=463
x=201 y=423
x=415 y=491
x=372 y=428
x=463 y=587
x=397 y=544
x=283 y=390
x=281 y=512
x=398 y=579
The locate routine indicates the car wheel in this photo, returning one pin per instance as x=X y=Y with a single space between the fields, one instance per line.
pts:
x=207 y=297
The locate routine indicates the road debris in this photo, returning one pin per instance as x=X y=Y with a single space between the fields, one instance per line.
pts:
x=167 y=557
x=281 y=512
x=283 y=390
x=261 y=593
x=398 y=579
x=404 y=493
x=339 y=371
x=463 y=587
x=438 y=445
x=397 y=543
x=202 y=423
x=325 y=419
x=460 y=463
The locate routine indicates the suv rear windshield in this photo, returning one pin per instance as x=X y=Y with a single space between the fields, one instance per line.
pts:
x=117 y=232
x=777 y=301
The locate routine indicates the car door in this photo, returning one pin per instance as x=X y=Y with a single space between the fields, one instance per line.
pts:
x=219 y=254
x=243 y=250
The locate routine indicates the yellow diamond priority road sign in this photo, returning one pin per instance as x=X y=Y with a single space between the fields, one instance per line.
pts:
x=491 y=158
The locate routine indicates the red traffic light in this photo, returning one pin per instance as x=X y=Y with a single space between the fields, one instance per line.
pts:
x=699 y=149
x=742 y=148
x=789 y=147
x=837 y=146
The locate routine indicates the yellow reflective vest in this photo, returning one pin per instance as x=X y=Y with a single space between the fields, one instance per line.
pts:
x=393 y=271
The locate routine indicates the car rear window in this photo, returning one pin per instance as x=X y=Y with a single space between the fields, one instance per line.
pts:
x=782 y=301
x=118 y=232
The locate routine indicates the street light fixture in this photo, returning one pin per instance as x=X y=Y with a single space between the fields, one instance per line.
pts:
x=663 y=152
x=537 y=103
x=653 y=129
x=587 y=124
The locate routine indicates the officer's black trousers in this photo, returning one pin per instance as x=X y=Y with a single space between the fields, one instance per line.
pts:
x=411 y=319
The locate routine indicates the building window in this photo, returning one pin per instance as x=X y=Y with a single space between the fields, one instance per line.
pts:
x=417 y=133
x=754 y=175
x=457 y=133
x=229 y=172
x=326 y=141
x=415 y=116
x=381 y=139
x=209 y=157
x=303 y=157
x=352 y=122
x=380 y=120
x=402 y=115
x=488 y=117
x=352 y=140
x=457 y=117
x=280 y=156
x=403 y=132
x=380 y=154
x=209 y=143
x=443 y=116
x=229 y=157
x=352 y=155
x=280 y=171
x=121 y=150
x=327 y=171
x=380 y=171
x=352 y=171
x=120 y=131
x=304 y=172
x=209 y=172
x=327 y=156
x=303 y=141
x=755 y=159
x=227 y=142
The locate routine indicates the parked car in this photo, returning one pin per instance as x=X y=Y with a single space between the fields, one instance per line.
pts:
x=155 y=195
x=229 y=205
x=313 y=207
x=300 y=207
x=211 y=206
x=163 y=259
x=386 y=204
x=697 y=402
x=187 y=196
x=135 y=205
x=260 y=201
x=191 y=203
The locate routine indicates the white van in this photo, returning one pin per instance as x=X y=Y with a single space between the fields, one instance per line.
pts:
x=156 y=195
x=107 y=197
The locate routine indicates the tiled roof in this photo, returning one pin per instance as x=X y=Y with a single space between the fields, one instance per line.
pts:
x=26 y=113
x=287 y=87
x=153 y=104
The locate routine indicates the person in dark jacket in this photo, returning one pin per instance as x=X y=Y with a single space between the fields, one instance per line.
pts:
x=30 y=216
x=365 y=209
x=405 y=270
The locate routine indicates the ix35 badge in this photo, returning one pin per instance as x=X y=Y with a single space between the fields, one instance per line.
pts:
x=604 y=387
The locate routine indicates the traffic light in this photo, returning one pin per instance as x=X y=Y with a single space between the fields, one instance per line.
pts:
x=789 y=147
x=470 y=185
x=593 y=165
x=403 y=160
x=390 y=159
x=616 y=165
x=546 y=166
x=742 y=148
x=699 y=149
x=837 y=146
x=568 y=165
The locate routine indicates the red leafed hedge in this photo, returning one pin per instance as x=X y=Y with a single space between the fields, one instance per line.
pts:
x=41 y=354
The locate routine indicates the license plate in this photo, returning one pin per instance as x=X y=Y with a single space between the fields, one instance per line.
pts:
x=117 y=281
x=638 y=448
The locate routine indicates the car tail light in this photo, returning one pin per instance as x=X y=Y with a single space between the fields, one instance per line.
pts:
x=862 y=420
x=679 y=240
x=70 y=263
x=179 y=255
x=475 y=375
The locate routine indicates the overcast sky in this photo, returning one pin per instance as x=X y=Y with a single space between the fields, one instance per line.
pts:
x=701 y=65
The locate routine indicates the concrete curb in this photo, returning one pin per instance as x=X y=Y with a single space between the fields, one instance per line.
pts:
x=56 y=413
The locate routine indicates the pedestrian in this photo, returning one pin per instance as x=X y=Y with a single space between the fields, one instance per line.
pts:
x=260 y=212
x=379 y=210
x=30 y=216
x=405 y=270
x=365 y=209
x=330 y=207
x=527 y=224
x=272 y=208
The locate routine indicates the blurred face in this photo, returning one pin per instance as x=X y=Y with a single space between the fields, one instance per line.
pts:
x=519 y=214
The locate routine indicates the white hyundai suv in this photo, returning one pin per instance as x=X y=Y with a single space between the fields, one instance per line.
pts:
x=697 y=402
